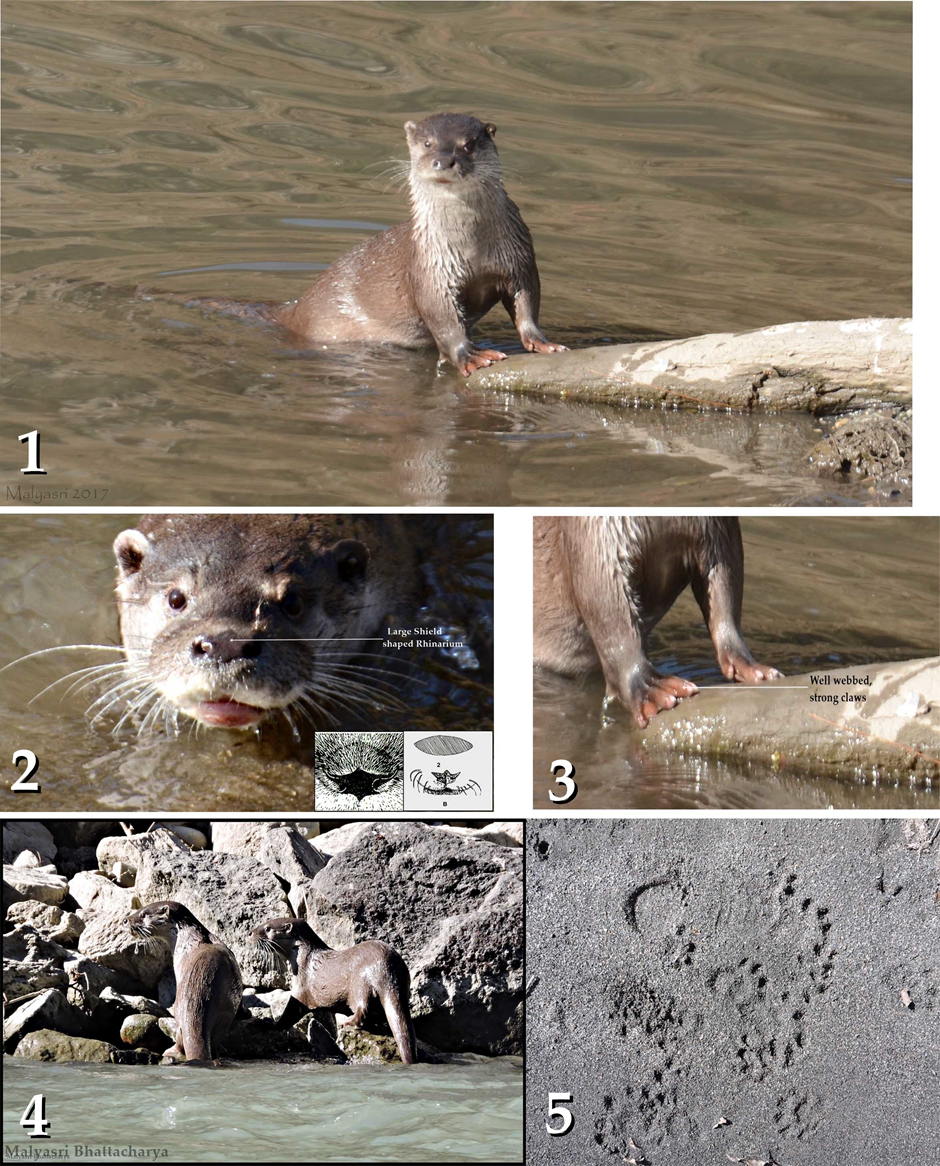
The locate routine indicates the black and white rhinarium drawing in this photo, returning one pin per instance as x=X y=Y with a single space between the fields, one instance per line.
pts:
x=441 y=780
x=443 y=745
x=352 y=767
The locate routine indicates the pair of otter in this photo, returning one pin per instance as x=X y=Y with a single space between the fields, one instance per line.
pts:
x=428 y=280
x=602 y=584
x=209 y=981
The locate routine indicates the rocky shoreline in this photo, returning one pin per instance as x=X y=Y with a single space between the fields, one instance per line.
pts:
x=78 y=988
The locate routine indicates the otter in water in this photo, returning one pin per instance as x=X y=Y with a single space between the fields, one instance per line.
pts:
x=356 y=978
x=208 y=979
x=602 y=584
x=428 y=280
x=227 y=618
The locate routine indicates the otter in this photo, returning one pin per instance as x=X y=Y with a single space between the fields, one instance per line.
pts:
x=354 y=978
x=229 y=618
x=602 y=584
x=428 y=280
x=208 y=979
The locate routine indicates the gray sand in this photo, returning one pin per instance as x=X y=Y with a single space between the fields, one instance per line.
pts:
x=682 y=972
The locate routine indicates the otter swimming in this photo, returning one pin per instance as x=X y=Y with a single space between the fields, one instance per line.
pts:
x=208 y=978
x=357 y=977
x=428 y=280
x=602 y=584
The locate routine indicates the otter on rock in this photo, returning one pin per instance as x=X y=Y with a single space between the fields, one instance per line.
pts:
x=227 y=618
x=428 y=280
x=602 y=584
x=208 y=978
x=355 y=978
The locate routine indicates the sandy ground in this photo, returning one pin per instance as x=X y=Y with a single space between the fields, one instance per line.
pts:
x=684 y=972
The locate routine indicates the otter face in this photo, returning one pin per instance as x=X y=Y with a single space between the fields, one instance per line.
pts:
x=276 y=936
x=450 y=149
x=153 y=921
x=226 y=618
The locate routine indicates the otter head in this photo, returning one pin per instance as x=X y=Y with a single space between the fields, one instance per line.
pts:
x=227 y=618
x=453 y=153
x=281 y=937
x=156 y=920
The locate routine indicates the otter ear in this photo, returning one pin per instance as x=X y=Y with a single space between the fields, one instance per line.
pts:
x=490 y=130
x=410 y=128
x=351 y=558
x=130 y=547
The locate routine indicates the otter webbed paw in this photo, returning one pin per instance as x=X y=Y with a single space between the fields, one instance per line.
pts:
x=471 y=359
x=745 y=669
x=651 y=692
x=541 y=345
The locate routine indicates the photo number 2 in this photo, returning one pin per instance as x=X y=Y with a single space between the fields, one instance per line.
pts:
x=32 y=764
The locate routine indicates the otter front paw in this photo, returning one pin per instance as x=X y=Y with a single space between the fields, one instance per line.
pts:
x=746 y=670
x=541 y=345
x=652 y=693
x=468 y=362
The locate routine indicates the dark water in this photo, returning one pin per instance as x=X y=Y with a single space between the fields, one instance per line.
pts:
x=819 y=593
x=684 y=168
x=262 y=1112
x=56 y=588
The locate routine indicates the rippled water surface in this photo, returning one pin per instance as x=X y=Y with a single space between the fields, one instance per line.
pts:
x=819 y=593
x=261 y=1112
x=684 y=168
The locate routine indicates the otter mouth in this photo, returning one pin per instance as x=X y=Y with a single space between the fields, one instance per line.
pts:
x=227 y=713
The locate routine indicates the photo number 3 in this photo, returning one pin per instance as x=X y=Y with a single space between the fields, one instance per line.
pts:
x=566 y=780
x=559 y=1111
x=32 y=764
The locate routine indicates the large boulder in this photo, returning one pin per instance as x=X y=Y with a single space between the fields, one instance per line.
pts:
x=49 y=921
x=42 y=883
x=29 y=837
x=453 y=908
x=107 y=941
x=96 y=894
x=32 y=963
x=47 y=1045
x=125 y=852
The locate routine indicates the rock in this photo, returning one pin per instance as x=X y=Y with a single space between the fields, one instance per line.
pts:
x=289 y=856
x=71 y=859
x=131 y=1004
x=42 y=883
x=870 y=445
x=228 y=893
x=452 y=908
x=333 y=841
x=251 y=1039
x=95 y=893
x=266 y=1005
x=142 y=1030
x=107 y=941
x=46 y=1045
x=31 y=964
x=194 y=839
x=241 y=837
x=130 y=850
x=90 y=977
x=49 y=1009
x=503 y=833
x=167 y=1025
x=27 y=836
x=359 y=1045
x=321 y=1038
x=50 y=922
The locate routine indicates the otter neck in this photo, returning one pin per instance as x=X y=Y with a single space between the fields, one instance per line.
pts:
x=186 y=935
x=441 y=214
x=306 y=957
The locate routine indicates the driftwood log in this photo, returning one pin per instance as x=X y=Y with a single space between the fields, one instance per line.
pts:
x=823 y=367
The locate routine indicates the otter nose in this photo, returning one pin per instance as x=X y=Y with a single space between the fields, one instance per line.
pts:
x=444 y=162
x=221 y=647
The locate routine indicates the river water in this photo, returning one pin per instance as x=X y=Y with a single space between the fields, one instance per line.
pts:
x=819 y=593
x=684 y=168
x=264 y=1112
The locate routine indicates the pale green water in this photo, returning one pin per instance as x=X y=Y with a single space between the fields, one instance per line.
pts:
x=262 y=1112
x=684 y=168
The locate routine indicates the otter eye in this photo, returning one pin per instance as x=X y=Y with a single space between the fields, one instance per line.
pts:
x=176 y=599
x=427 y=145
x=292 y=605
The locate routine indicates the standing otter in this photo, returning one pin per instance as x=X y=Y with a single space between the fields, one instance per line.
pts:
x=354 y=978
x=428 y=280
x=602 y=584
x=208 y=979
x=227 y=618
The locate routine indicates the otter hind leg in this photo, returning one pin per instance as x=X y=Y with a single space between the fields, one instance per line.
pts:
x=394 y=990
x=718 y=587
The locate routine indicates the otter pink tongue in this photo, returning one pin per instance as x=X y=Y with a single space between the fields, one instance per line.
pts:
x=230 y=713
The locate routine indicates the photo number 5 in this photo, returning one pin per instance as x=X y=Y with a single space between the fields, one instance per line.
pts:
x=560 y=1111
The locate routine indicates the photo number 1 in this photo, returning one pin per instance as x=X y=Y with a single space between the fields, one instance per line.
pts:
x=32 y=764
x=566 y=779
x=32 y=445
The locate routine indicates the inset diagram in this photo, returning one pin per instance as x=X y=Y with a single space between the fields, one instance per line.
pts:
x=448 y=770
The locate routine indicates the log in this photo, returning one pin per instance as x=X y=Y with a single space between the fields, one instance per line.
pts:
x=822 y=367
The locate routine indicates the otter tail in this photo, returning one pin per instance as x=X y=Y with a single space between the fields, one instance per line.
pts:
x=396 y=1000
x=268 y=311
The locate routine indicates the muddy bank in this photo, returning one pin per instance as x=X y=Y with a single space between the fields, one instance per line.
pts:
x=827 y=368
x=878 y=721
x=717 y=991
